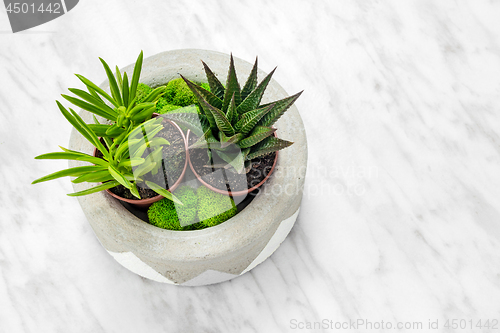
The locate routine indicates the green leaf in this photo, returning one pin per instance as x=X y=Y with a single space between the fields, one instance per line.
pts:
x=248 y=121
x=72 y=156
x=205 y=105
x=89 y=107
x=93 y=177
x=257 y=135
x=125 y=90
x=232 y=87
x=72 y=172
x=139 y=107
x=99 y=129
x=95 y=140
x=113 y=131
x=154 y=95
x=93 y=87
x=95 y=189
x=96 y=101
x=133 y=162
x=119 y=79
x=161 y=191
x=144 y=168
x=227 y=141
x=269 y=145
x=278 y=110
x=135 y=77
x=144 y=114
x=197 y=123
x=134 y=191
x=215 y=85
x=113 y=86
x=220 y=119
x=208 y=96
x=119 y=177
x=253 y=99
x=251 y=82
x=231 y=114
x=106 y=139
x=74 y=122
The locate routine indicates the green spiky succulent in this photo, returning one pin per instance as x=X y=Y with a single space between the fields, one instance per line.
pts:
x=233 y=122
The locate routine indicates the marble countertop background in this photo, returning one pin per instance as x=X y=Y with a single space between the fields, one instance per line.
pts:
x=400 y=220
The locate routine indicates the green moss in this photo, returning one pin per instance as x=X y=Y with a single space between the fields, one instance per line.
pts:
x=142 y=92
x=163 y=215
x=209 y=207
x=214 y=208
x=187 y=212
x=179 y=109
x=166 y=108
x=205 y=86
x=178 y=93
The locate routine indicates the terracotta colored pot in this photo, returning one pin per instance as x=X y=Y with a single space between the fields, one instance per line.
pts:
x=231 y=193
x=145 y=203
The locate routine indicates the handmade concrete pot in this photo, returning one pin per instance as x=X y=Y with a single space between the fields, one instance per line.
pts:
x=215 y=254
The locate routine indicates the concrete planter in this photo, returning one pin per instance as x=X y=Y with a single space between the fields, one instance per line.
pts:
x=216 y=254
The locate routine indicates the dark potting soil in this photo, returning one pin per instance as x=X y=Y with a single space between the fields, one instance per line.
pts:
x=228 y=179
x=174 y=158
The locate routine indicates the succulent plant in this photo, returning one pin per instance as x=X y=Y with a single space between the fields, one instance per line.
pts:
x=127 y=107
x=122 y=162
x=233 y=122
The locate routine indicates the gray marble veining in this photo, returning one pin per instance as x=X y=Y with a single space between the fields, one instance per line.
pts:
x=400 y=219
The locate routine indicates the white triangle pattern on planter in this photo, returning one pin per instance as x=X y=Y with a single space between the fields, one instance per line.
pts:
x=136 y=265
x=275 y=241
x=139 y=267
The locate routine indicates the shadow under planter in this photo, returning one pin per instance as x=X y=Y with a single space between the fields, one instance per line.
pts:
x=215 y=254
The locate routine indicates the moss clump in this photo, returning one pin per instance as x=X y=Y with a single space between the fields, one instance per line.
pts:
x=163 y=215
x=209 y=207
x=166 y=108
x=187 y=212
x=214 y=208
x=142 y=92
x=178 y=93
x=167 y=215
x=179 y=109
x=205 y=86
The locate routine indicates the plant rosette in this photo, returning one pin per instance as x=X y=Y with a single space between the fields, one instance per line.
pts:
x=172 y=174
x=235 y=146
x=226 y=250
x=231 y=183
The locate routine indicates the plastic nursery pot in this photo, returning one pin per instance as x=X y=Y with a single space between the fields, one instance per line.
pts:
x=222 y=252
x=230 y=193
x=145 y=203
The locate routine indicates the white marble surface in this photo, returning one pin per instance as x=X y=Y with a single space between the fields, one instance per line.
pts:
x=401 y=216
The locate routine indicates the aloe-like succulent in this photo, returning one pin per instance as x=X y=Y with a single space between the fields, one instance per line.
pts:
x=125 y=107
x=122 y=161
x=233 y=122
